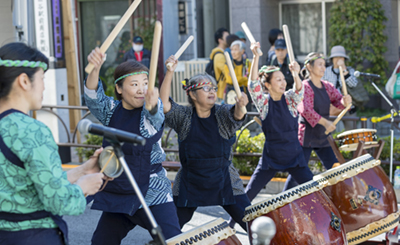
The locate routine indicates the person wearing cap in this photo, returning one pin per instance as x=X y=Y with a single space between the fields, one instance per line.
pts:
x=281 y=60
x=273 y=35
x=338 y=59
x=138 y=52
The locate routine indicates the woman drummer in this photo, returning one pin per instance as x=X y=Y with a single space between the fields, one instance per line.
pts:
x=314 y=112
x=34 y=190
x=206 y=132
x=138 y=111
x=282 y=150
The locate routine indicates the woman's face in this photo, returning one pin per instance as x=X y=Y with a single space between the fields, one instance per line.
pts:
x=36 y=91
x=133 y=91
x=318 y=69
x=203 y=98
x=277 y=83
x=237 y=52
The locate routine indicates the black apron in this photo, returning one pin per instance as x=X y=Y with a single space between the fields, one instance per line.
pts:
x=205 y=158
x=282 y=149
x=315 y=137
x=16 y=217
x=119 y=196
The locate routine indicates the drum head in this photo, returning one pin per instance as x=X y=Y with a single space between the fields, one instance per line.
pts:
x=346 y=170
x=113 y=169
x=356 y=131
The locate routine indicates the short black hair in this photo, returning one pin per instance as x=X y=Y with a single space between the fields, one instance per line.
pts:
x=219 y=34
x=231 y=38
x=273 y=35
x=17 y=51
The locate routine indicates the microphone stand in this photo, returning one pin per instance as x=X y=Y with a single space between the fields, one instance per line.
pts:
x=392 y=112
x=156 y=230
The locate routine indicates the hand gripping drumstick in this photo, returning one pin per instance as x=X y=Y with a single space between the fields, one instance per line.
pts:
x=105 y=166
x=250 y=36
x=115 y=31
x=340 y=116
x=288 y=43
x=344 y=86
x=154 y=55
x=257 y=120
x=234 y=79
x=181 y=50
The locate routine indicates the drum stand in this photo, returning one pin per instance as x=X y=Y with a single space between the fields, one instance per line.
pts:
x=392 y=112
x=156 y=230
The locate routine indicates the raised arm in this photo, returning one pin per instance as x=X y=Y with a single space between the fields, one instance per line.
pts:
x=97 y=59
x=165 y=90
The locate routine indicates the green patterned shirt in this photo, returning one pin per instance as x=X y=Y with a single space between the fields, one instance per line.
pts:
x=42 y=185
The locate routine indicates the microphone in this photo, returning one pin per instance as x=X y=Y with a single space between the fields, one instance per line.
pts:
x=86 y=126
x=263 y=230
x=357 y=74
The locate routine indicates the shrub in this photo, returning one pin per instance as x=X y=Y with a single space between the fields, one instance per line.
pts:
x=91 y=139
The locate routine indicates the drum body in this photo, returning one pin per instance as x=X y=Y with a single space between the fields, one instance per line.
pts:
x=365 y=198
x=302 y=215
x=109 y=161
x=349 y=140
x=216 y=232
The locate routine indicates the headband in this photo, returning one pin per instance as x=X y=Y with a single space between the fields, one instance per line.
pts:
x=23 y=63
x=130 y=74
x=264 y=69
x=313 y=58
x=193 y=86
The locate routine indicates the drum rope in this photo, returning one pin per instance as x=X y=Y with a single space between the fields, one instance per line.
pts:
x=204 y=234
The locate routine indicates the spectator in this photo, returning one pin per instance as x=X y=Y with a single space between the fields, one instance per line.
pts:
x=338 y=58
x=240 y=66
x=229 y=40
x=217 y=54
x=272 y=36
x=138 y=53
x=281 y=60
x=242 y=37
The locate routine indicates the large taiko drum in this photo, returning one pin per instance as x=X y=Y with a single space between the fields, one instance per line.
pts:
x=302 y=215
x=364 y=196
x=211 y=233
x=348 y=140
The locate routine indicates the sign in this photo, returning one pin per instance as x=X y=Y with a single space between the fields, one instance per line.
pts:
x=42 y=27
x=57 y=29
x=182 y=17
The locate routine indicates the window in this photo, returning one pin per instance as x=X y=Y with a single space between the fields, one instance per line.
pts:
x=308 y=25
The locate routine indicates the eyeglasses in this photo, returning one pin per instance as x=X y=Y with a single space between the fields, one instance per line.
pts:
x=208 y=88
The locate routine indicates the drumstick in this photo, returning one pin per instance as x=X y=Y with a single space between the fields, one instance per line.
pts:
x=234 y=80
x=181 y=50
x=288 y=42
x=108 y=161
x=258 y=121
x=154 y=55
x=250 y=36
x=344 y=86
x=115 y=31
x=340 y=116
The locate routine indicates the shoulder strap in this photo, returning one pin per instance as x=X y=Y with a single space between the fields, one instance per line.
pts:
x=216 y=53
x=7 y=151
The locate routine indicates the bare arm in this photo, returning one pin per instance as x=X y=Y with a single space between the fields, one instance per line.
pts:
x=97 y=59
x=256 y=59
x=165 y=90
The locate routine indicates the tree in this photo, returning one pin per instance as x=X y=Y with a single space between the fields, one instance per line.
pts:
x=358 y=26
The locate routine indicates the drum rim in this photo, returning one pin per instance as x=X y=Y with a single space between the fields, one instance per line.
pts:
x=350 y=169
x=218 y=225
x=277 y=201
x=356 y=131
x=355 y=145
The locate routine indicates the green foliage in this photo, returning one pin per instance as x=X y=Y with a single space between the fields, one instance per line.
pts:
x=108 y=81
x=91 y=139
x=145 y=30
x=247 y=144
x=358 y=26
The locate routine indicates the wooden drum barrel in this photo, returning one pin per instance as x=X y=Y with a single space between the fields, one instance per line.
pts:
x=364 y=196
x=302 y=215
x=216 y=232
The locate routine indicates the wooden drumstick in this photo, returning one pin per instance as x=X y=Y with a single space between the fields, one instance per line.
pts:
x=288 y=43
x=340 y=116
x=181 y=50
x=258 y=121
x=344 y=86
x=234 y=79
x=250 y=36
x=154 y=55
x=115 y=31
x=108 y=161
